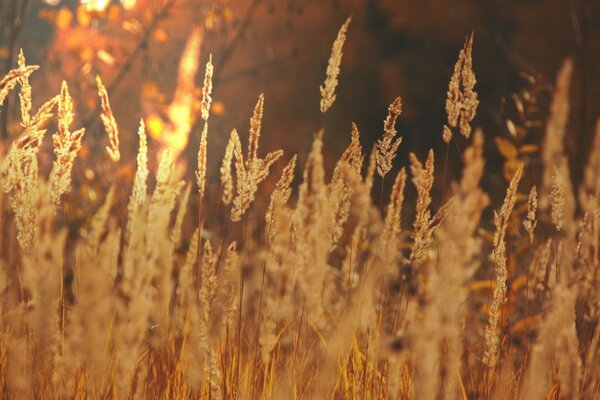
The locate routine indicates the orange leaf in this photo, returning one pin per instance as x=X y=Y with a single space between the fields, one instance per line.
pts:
x=529 y=149
x=506 y=148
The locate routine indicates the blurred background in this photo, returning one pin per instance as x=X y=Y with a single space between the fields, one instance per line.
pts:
x=394 y=48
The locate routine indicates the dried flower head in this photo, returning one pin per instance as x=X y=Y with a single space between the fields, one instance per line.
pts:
x=25 y=94
x=201 y=171
x=492 y=338
x=207 y=89
x=386 y=146
x=423 y=228
x=110 y=124
x=66 y=146
x=226 y=175
x=13 y=77
x=530 y=222
x=250 y=172
x=333 y=68
x=461 y=103
x=280 y=195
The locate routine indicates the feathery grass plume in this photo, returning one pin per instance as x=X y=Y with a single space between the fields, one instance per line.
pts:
x=41 y=278
x=25 y=93
x=386 y=146
x=13 y=77
x=109 y=122
x=530 y=222
x=136 y=221
x=461 y=103
x=140 y=187
x=557 y=201
x=439 y=334
x=255 y=126
x=311 y=223
x=19 y=175
x=279 y=197
x=188 y=315
x=333 y=68
x=207 y=89
x=23 y=201
x=159 y=249
x=424 y=224
x=393 y=217
x=201 y=171
x=226 y=176
x=26 y=147
x=250 y=172
x=92 y=314
x=339 y=189
x=552 y=150
x=177 y=226
x=66 y=146
x=492 y=339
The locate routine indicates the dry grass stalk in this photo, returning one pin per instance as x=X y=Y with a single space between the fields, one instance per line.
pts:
x=530 y=222
x=339 y=189
x=501 y=219
x=226 y=175
x=393 y=218
x=250 y=172
x=439 y=347
x=66 y=146
x=424 y=223
x=13 y=77
x=25 y=93
x=461 y=103
x=207 y=89
x=280 y=196
x=386 y=146
x=110 y=124
x=201 y=171
x=333 y=68
x=140 y=187
x=19 y=175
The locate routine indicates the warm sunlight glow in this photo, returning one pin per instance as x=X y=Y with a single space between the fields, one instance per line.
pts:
x=174 y=133
x=95 y=5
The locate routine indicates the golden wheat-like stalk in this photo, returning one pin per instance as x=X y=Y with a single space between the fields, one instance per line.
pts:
x=110 y=124
x=226 y=175
x=530 y=222
x=280 y=196
x=461 y=102
x=13 y=77
x=25 y=93
x=202 y=153
x=207 y=89
x=492 y=339
x=387 y=147
x=333 y=68
x=250 y=172
x=66 y=146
